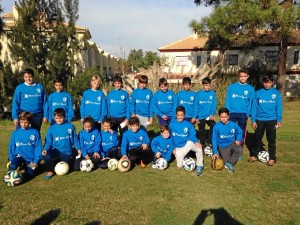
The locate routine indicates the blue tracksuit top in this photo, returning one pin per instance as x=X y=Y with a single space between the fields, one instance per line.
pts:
x=239 y=98
x=93 y=104
x=30 y=98
x=89 y=141
x=205 y=104
x=187 y=100
x=109 y=140
x=140 y=102
x=132 y=140
x=164 y=103
x=225 y=134
x=59 y=100
x=27 y=143
x=118 y=104
x=182 y=132
x=267 y=105
x=162 y=145
x=62 y=137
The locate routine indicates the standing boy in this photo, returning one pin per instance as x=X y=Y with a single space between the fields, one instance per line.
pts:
x=59 y=141
x=227 y=138
x=140 y=103
x=25 y=146
x=164 y=103
x=184 y=140
x=58 y=99
x=186 y=98
x=266 y=116
x=29 y=97
x=204 y=110
x=239 y=98
x=135 y=144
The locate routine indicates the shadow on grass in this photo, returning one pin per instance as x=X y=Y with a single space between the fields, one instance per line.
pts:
x=47 y=218
x=221 y=217
x=93 y=223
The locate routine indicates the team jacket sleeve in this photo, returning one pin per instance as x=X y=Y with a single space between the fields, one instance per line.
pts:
x=192 y=134
x=124 y=145
x=154 y=106
x=98 y=141
x=254 y=108
x=82 y=107
x=127 y=106
x=16 y=104
x=228 y=98
x=239 y=134
x=38 y=149
x=46 y=109
x=70 y=109
x=132 y=103
x=213 y=108
x=214 y=140
x=12 y=147
x=103 y=109
x=154 y=144
x=76 y=142
x=48 y=140
x=279 y=108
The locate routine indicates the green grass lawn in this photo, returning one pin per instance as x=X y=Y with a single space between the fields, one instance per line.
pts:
x=255 y=194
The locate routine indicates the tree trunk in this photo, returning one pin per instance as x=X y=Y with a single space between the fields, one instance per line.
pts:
x=282 y=58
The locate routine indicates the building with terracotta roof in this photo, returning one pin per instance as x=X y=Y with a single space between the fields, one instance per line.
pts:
x=190 y=57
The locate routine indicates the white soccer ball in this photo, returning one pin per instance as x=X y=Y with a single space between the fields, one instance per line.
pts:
x=13 y=178
x=86 y=165
x=188 y=164
x=112 y=164
x=61 y=168
x=124 y=165
x=161 y=164
x=208 y=151
x=263 y=156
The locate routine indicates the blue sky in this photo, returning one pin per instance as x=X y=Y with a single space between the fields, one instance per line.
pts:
x=118 y=26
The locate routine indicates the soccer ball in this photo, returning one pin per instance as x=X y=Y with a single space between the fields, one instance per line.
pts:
x=124 y=165
x=112 y=164
x=263 y=156
x=217 y=163
x=188 y=164
x=61 y=168
x=86 y=165
x=161 y=164
x=13 y=178
x=208 y=151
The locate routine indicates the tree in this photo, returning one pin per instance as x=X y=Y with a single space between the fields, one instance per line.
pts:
x=44 y=38
x=241 y=20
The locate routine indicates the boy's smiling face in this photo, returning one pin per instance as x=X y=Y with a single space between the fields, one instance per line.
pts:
x=134 y=127
x=28 y=78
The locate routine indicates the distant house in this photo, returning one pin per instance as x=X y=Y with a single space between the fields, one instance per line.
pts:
x=189 y=57
x=92 y=56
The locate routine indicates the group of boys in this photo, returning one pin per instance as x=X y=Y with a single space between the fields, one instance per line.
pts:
x=176 y=114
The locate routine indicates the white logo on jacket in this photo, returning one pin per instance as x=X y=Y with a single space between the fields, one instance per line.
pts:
x=32 y=137
x=64 y=99
x=38 y=90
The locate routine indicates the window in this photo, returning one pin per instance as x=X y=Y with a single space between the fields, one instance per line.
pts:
x=296 y=57
x=233 y=59
x=271 y=56
x=198 y=60
x=182 y=61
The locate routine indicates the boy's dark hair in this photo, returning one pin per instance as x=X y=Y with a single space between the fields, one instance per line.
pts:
x=134 y=120
x=163 y=81
x=243 y=70
x=26 y=116
x=186 y=80
x=117 y=78
x=223 y=110
x=58 y=80
x=164 y=127
x=143 y=79
x=89 y=119
x=180 y=109
x=60 y=112
x=267 y=78
x=29 y=71
x=107 y=120
x=206 y=80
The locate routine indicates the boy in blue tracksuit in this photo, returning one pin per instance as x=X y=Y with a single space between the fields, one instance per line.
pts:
x=162 y=145
x=204 y=110
x=109 y=143
x=135 y=144
x=164 y=103
x=266 y=116
x=239 y=98
x=29 y=97
x=59 y=141
x=89 y=139
x=227 y=138
x=186 y=98
x=25 y=146
x=140 y=103
x=185 y=140
x=93 y=103
x=58 y=99
x=118 y=106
